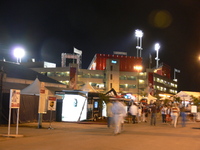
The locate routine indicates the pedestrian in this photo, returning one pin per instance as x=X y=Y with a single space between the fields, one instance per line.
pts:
x=168 y=114
x=109 y=113
x=175 y=114
x=145 y=113
x=153 y=114
x=134 y=111
x=139 y=113
x=123 y=119
x=163 y=113
x=183 y=116
x=119 y=113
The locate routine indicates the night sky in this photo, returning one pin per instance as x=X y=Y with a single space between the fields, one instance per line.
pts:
x=47 y=28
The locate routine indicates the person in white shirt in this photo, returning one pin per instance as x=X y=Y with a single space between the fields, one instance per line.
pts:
x=119 y=113
x=175 y=114
x=134 y=111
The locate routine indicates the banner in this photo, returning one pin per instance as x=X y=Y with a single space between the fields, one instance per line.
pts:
x=72 y=82
x=52 y=103
x=42 y=101
x=14 y=98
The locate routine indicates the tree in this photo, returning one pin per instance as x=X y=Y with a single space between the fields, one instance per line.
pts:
x=196 y=101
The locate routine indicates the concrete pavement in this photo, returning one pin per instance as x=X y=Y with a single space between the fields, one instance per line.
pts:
x=96 y=136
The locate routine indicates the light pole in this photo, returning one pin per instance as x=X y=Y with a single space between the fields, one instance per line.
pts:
x=139 y=35
x=138 y=69
x=19 y=53
x=157 y=47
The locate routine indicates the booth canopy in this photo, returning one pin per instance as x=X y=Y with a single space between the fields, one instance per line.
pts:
x=186 y=95
x=32 y=89
x=88 y=88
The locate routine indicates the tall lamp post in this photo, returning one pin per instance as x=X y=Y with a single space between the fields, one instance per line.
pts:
x=138 y=69
x=139 y=35
x=19 y=53
x=157 y=47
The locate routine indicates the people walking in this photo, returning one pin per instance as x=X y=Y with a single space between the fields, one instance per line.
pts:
x=139 y=116
x=163 y=113
x=175 y=114
x=183 y=116
x=109 y=113
x=168 y=114
x=134 y=111
x=153 y=114
x=119 y=113
x=145 y=113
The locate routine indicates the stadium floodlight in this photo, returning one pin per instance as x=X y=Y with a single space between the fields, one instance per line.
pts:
x=19 y=53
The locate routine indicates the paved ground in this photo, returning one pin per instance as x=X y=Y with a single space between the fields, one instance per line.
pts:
x=74 y=136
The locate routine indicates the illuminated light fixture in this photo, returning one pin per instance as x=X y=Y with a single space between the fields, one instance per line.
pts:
x=139 y=35
x=138 y=68
x=157 y=47
x=19 y=53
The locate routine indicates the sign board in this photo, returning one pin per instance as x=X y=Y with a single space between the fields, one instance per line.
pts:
x=14 y=98
x=120 y=53
x=14 y=103
x=193 y=109
x=52 y=103
x=42 y=101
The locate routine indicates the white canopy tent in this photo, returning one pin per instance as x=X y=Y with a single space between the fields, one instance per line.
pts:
x=88 y=88
x=186 y=95
x=32 y=89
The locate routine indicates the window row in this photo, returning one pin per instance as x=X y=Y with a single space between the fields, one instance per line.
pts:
x=165 y=82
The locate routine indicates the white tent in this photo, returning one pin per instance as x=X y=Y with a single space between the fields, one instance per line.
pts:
x=151 y=98
x=88 y=88
x=186 y=95
x=32 y=89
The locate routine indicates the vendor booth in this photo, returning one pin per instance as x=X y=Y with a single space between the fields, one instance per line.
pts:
x=74 y=105
x=186 y=96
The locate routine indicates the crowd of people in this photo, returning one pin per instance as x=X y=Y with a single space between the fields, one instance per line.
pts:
x=118 y=112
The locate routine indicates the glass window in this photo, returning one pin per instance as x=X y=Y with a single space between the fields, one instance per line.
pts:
x=111 y=68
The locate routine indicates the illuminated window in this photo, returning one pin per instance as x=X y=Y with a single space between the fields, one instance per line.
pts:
x=141 y=81
x=161 y=88
x=172 y=84
x=122 y=77
x=131 y=78
x=113 y=61
x=126 y=85
x=65 y=82
x=111 y=68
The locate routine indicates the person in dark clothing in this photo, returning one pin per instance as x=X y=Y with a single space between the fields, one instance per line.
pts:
x=183 y=115
x=153 y=114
